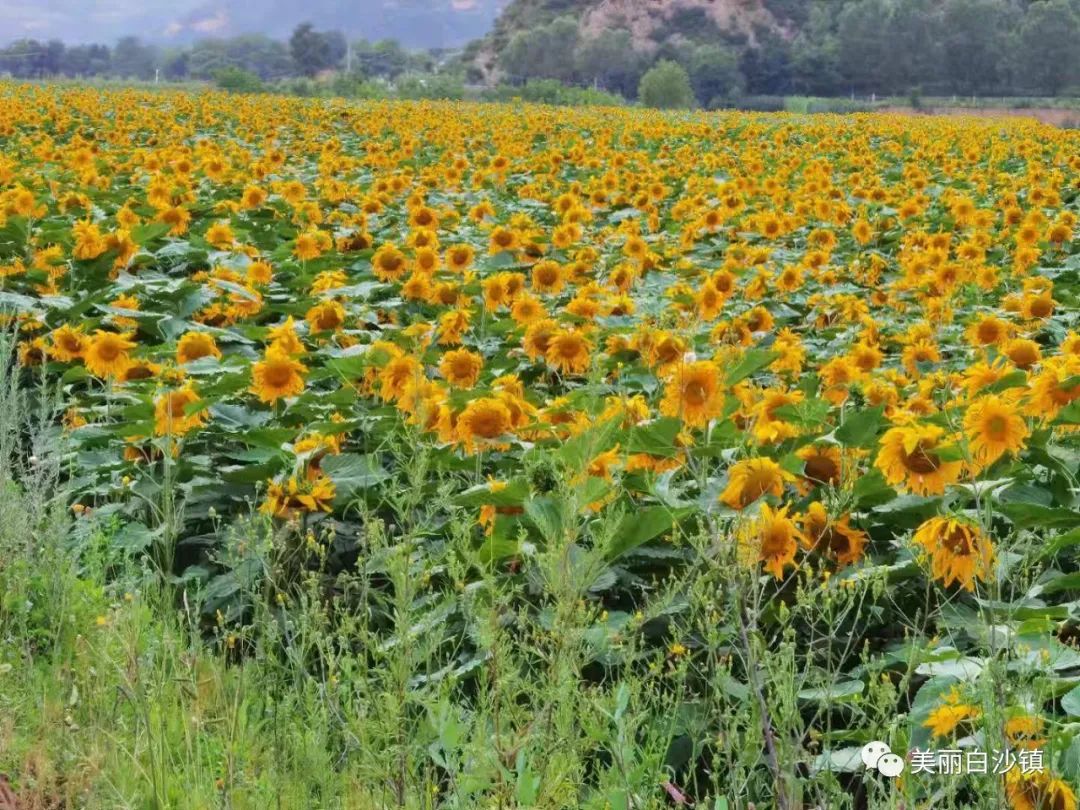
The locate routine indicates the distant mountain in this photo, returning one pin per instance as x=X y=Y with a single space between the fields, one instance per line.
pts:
x=651 y=23
x=414 y=23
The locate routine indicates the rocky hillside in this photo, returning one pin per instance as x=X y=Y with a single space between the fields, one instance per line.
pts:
x=651 y=23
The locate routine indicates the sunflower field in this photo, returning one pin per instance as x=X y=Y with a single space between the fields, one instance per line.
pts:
x=765 y=423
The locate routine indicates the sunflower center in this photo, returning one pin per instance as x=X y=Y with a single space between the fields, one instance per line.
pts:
x=921 y=462
x=694 y=393
x=774 y=541
x=958 y=542
x=1041 y=308
x=108 y=350
x=821 y=468
x=487 y=425
x=988 y=333
x=278 y=374
x=997 y=428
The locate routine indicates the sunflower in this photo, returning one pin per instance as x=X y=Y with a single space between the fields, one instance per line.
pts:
x=277 y=375
x=772 y=539
x=299 y=496
x=1037 y=307
x=918 y=354
x=389 y=263
x=751 y=478
x=547 y=277
x=283 y=337
x=503 y=239
x=484 y=419
x=832 y=537
x=1025 y=731
x=537 y=338
x=459 y=257
x=397 y=375
x=694 y=394
x=1024 y=353
x=461 y=368
x=994 y=427
x=68 y=343
x=306 y=247
x=767 y=426
x=259 y=272
x=89 y=243
x=1054 y=387
x=823 y=465
x=106 y=355
x=527 y=309
x=908 y=457
x=452 y=327
x=175 y=414
x=327 y=316
x=194 y=345
x=946 y=718
x=220 y=235
x=989 y=330
x=33 y=352
x=1038 y=791
x=253 y=197
x=569 y=351
x=959 y=552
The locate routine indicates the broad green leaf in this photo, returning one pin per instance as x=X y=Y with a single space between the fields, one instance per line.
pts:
x=860 y=429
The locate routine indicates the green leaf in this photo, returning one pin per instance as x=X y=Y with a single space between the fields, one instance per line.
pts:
x=1060 y=543
x=1070 y=414
x=1017 y=379
x=513 y=494
x=141 y=234
x=842 y=760
x=583 y=448
x=1070 y=703
x=860 y=429
x=549 y=517
x=133 y=537
x=753 y=360
x=1029 y=515
x=809 y=413
x=640 y=526
x=833 y=692
x=352 y=473
x=657 y=438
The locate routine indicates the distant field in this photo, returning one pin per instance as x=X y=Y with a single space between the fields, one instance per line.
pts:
x=423 y=454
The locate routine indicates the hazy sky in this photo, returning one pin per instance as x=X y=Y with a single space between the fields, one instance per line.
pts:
x=416 y=22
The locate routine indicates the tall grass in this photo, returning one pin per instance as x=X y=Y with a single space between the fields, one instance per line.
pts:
x=376 y=689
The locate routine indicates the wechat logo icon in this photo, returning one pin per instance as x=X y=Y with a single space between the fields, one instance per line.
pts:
x=878 y=756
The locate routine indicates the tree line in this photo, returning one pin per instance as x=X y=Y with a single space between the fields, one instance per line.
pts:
x=827 y=48
x=837 y=47
x=308 y=52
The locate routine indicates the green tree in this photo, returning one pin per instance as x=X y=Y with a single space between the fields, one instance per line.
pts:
x=175 y=64
x=546 y=52
x=85 y=60
x=815 y=59
x=131 y=59
x=384 y=58
x=913 y=56
x=666 y=85
x=714 y=74
x=610 y=61
x=767 y=65
x=313 y=51
x=238 y=80
x=1048 y=47
x=974 y=43
x=863 y=41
